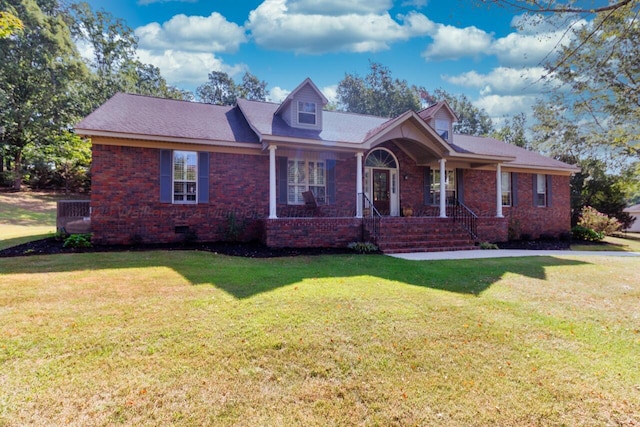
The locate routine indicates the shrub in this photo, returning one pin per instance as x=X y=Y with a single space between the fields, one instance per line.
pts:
x=584 y=233
x=78 y=241
x=487 y=245
x=598 y=222
x=363 y=247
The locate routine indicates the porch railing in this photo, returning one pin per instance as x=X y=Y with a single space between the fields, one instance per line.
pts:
x=465 y=217
x=371 y=217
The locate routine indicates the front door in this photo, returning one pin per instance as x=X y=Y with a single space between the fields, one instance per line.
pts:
x=381 y=191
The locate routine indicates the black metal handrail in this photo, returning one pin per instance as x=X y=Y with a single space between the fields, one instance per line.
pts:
x=372 y=220
x=466 y=217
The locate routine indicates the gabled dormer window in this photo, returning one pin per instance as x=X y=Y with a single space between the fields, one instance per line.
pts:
x=442 y=127
x=307 y=113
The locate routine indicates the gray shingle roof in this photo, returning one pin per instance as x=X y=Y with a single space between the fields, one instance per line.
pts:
x=132 y=116
x=336 y=126
x=494 y=147
x=148 y=116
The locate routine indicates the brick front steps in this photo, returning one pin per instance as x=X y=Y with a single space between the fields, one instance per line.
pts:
x=401 y=235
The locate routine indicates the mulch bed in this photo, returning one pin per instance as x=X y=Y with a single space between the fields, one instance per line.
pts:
x=52 y=245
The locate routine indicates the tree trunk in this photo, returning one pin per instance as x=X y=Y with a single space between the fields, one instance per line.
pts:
x=17 y=169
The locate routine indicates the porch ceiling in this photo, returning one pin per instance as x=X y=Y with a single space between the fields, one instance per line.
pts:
x=417 y=151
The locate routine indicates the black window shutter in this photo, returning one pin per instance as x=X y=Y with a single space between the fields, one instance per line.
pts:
x=427 y=185
x=331 y=181
x=460 y=184
x=534 y=193
x=514 y=189
x=166 y=161
x=282 y=179
x=549 y=185
x=203 y=177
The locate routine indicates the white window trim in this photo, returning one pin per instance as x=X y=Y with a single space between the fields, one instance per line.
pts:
x=306 y=184
x=314 y=114
x=544 y=188
x=434 y=195
x=173 y=179
x=509 y=191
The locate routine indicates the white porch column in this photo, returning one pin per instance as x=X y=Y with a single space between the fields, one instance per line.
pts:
x=359 y=189
x=272 y=182
x=443 y=190
x=499 y=191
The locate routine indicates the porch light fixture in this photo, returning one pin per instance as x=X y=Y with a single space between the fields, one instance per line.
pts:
x=405 y=176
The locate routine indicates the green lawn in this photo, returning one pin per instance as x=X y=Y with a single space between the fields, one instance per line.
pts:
x=194 y=338
x=27 y=216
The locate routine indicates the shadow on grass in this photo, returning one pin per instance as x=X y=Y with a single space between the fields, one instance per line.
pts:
x=244 y=277
x=9 y=243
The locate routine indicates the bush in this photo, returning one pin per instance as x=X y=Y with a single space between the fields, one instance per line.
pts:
x=363 y=247
x=487 y=245
x=584 y=233
x=598 y=222
x=78 y=241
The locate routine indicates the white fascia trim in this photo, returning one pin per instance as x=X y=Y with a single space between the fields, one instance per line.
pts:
x=162 y=138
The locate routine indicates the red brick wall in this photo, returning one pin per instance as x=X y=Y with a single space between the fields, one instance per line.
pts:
x=524 y=218
x=126 y=192
x=312 y=232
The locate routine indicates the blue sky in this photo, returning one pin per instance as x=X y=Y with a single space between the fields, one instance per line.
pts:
x=491 y=54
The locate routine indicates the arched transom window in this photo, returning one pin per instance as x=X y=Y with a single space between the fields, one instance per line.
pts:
x=381 y=159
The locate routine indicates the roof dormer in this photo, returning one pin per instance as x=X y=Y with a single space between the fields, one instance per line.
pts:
x=441 y=118
x=303 y=107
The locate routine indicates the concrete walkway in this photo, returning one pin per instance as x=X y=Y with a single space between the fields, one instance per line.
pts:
x=502 y=253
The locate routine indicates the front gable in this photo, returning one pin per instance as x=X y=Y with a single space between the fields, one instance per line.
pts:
x=302 y=109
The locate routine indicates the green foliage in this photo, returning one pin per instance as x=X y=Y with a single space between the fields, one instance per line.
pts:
x=234 y=227
x=487 y=245
x=599 y=222
x=78 y=241
x=513 y=131
x=587 y=234
x=222 y=90
x=363 y=247
x=594 y=186
x=9 y=24
x=39 y=75
x=377 y=93
x=471 y=119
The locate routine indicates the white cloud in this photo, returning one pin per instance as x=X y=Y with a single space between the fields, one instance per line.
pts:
x=454 y=43
x=503 y=80
x=212 y=33
x=331 y=93
x=274 y=25
x=419 y=4
x=338 y=7
x=498 y=106
x=277 y=94
x=187 y=69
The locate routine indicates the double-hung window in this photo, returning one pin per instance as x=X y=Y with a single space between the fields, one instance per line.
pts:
x=450 y=186
x=307 y=113
x=442 y=128
x=507 y=199
x=540 y=195
x=185 y=176
x=305 y=175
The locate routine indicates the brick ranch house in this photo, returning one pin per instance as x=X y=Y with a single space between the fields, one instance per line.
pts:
x=294 y=175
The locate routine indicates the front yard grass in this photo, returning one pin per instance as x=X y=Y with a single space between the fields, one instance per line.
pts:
x=626 y=242
x=27 y=216
x=194 y=338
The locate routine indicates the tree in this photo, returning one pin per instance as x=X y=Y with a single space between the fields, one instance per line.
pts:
x=149 y=81
x=219 y=90
x=9 y=24
x=38 y=72
x=513 y=131
x=113 y=44
x=553 y=7
x=252 y=88
x=377 y=93
x=471 y=119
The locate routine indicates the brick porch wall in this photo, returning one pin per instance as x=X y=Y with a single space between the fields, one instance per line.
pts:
x=522 y=219
x=312 y=232
x=126 y=192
